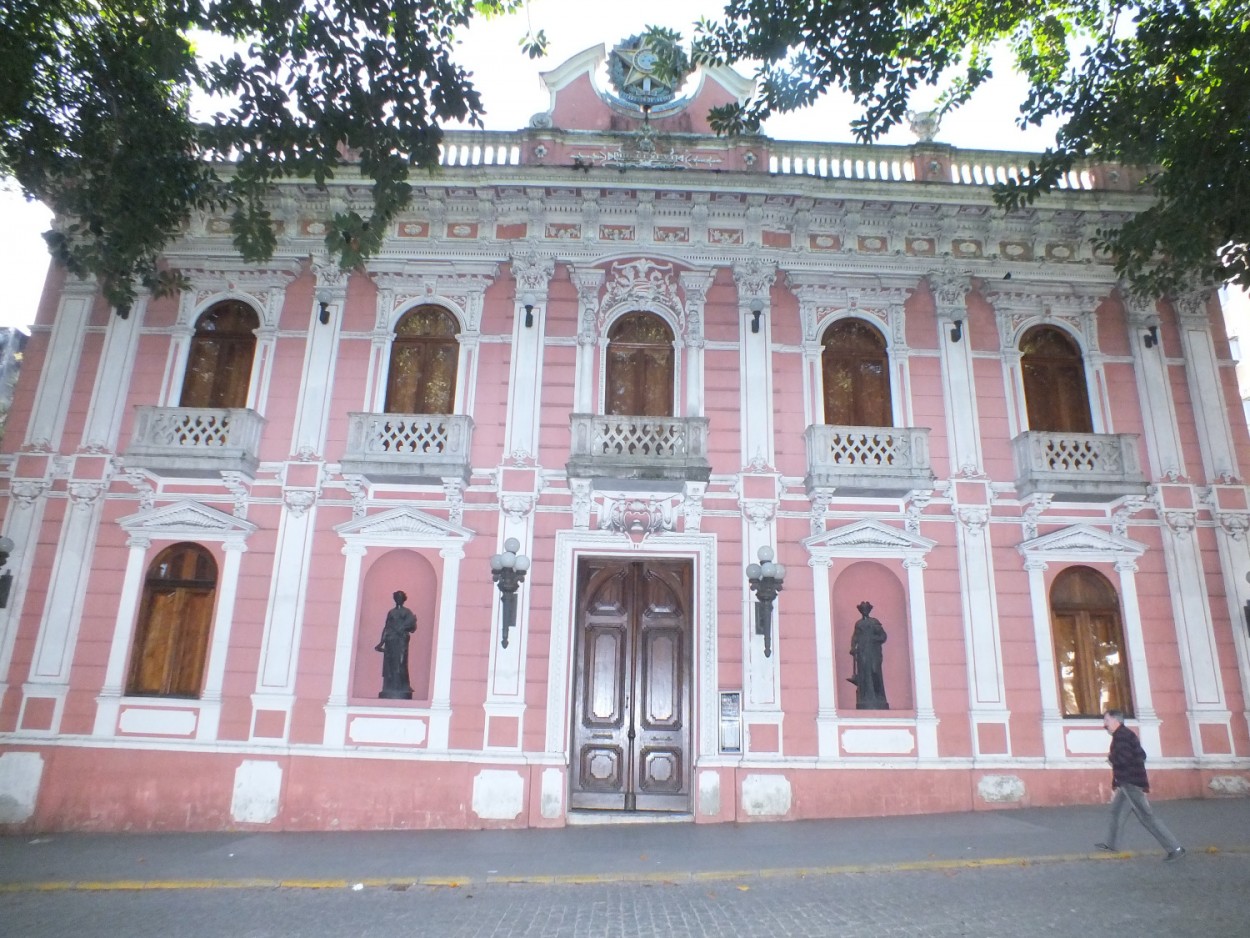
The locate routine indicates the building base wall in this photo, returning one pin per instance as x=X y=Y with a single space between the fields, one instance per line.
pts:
x=59 y=788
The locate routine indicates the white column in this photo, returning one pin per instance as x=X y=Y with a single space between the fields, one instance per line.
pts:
x=344 y=647
x=1053 y=742
x=59 y=370
x=284 y=617
x=25 y=516
x=62 y=615
x=108 y=703
x=444 y=650
x=219 y=646
x=918 y=615
x=1206 y=390
x=1139 y=670
x=958 y=387
x=987 y=701
x=754 y=280
x=695 y=284
x=826 y=667
x=112 y=380
x=262 y=369
x=505 y=693
x=320 y=356
x=1162 y=430
x=589 y=282
x=1191 y=610
x=1235 y=562
x=525 y=381
x=761 y=675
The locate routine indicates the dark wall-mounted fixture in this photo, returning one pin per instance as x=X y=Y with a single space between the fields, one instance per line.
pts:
x=6 y=579
x=1151 y=338
x=324 y=297
x=957 y=330
x=508 y=571
x=529 y=301
x=765 y=578
x=755 y=319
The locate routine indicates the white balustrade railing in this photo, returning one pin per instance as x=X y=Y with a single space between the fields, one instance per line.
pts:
x=882 y=162
x=1077 y=465
x=408 y=447
x=184 y=440
x=638 y=446
x=867 y=460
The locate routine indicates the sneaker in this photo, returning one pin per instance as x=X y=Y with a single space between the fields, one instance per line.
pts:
x=1107 y=847
x=1174 y=854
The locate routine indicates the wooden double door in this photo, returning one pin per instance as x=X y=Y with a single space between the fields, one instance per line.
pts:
x=632 y=689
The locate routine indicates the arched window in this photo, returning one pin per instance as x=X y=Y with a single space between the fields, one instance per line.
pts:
x=219 y=365
x=1055 y=392
x=856 y=375
x=640 y=367
x=424 y=358
x=1089 y=644
x=171 y=640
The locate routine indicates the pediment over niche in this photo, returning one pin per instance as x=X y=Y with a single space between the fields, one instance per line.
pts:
x=867 y=539
x=186 y=520
x=403 y=526
x=1082 y=542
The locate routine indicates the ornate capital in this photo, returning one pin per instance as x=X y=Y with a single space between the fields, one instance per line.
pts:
x=759 y=512
x=950 y=289
x=516 y=506
x=754 y=277
x=298 y=501
x=531 y=271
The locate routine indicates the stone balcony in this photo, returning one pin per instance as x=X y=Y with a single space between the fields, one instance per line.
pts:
x=630 y=452
x=1088 y=467
x=413 y=449
x=195 y=442
x=867 y=461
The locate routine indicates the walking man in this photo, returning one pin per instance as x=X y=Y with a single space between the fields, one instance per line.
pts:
x=1128 y=778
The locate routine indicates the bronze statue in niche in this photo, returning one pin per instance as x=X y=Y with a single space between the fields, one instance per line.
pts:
x=866 y=653
x=400 y=624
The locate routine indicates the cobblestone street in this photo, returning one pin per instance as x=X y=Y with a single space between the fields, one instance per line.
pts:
x=1204 y=895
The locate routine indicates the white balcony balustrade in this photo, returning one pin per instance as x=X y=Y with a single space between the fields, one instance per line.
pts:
x=415 y=449
x=871 y=461
x=1078 y=466
x=195 y=442
x=639 y=452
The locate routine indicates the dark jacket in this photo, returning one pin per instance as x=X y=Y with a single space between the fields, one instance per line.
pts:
x=1128 y=759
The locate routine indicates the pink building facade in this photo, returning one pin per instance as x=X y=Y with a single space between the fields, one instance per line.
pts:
x=644 y=353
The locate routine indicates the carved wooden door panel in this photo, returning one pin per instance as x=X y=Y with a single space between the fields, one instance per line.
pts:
x=631 y=708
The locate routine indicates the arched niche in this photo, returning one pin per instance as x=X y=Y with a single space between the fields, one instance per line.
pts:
x=409 y=571
x=878 y=584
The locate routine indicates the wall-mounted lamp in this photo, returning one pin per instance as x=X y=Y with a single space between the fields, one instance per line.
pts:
x=6 y=579
x=529 y=301
x=957 y=330
x=1151 y=338
x=755 y=319
x=508 y=571
x=765 y=578
x=324 y=297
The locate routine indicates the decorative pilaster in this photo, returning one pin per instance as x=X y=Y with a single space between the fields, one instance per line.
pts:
x=950 y=292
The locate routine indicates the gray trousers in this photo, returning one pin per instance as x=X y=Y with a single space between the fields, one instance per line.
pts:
x=1130 y=796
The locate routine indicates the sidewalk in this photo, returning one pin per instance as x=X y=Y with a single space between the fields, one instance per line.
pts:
x=636 y=852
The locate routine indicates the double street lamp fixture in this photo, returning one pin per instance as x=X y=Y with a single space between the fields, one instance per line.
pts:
x=765 y=578
x=508 y=571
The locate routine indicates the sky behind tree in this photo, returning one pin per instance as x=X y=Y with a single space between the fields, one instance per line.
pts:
x=512 y=92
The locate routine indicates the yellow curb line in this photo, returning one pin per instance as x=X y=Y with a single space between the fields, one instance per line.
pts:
x=574 y=879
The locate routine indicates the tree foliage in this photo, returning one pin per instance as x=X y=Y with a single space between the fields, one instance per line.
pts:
x=97 y=117
x=1162 y=84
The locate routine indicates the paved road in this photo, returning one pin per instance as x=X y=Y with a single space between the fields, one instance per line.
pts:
x=1021 y=872
x=1204 y=896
